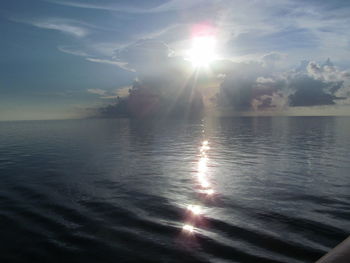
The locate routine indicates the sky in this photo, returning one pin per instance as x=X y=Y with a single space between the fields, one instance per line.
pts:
x=60 y=58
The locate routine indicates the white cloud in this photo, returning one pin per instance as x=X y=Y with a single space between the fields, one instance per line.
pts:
x=65 y=26
x=327 y=72
x=120 y=64
x=72 y=51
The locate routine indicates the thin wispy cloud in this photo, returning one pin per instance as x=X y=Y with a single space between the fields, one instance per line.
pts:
x=71 y=51
x=122 y=65
x=173 y=5
x=272 y=24
x=63 y=26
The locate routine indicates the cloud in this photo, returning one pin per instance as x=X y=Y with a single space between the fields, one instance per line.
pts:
x=97 y=91
x=143 y=55
x=172 y=5
x=309 y=91
x=164 y=86
x=63 y=25
x=71 y=27
x=254 y=86
x=272 y=30
x=250 y=29
x=111 y=94
x=154 y=64
x=71 y=51
x=92 y=58
x=123 y=91
x=120 y=64
x=247 y=28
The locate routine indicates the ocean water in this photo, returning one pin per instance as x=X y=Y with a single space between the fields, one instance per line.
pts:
x=225 y=190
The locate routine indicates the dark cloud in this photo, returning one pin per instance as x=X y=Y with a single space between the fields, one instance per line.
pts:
x=248 y=86
x=150 y=101
x=310 y=92
x=165 y=86
x=256 y=86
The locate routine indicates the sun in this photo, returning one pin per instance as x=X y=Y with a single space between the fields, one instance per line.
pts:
x=202 y=51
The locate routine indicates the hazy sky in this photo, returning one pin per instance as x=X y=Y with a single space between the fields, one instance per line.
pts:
x=59 y=57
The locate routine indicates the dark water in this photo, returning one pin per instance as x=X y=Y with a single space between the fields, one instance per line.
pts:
x=264 y=190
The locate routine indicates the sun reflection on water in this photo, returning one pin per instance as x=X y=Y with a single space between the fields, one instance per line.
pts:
x=204 y=183
x=209 y=191
x=195 y=209
x=188 y=228
x=202 y=164
x=202 y=176
x=203 y=168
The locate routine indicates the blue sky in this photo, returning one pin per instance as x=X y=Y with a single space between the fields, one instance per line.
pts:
x=60 y=57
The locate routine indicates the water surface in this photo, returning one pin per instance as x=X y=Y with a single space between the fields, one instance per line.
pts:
x=225 y=190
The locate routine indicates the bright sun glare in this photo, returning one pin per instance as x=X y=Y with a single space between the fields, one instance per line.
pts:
x=202 y=51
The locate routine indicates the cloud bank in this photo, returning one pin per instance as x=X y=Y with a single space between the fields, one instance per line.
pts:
x=167 y=83
x=254 y=86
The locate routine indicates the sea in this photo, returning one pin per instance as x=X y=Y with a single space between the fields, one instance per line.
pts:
x=241 y=189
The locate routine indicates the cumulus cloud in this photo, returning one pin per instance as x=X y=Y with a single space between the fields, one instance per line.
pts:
x=254 y=86
x=309 y=91
x=164 y=86
x=240 y=88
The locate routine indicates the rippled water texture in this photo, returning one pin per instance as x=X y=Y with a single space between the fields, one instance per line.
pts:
x=226 y=190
